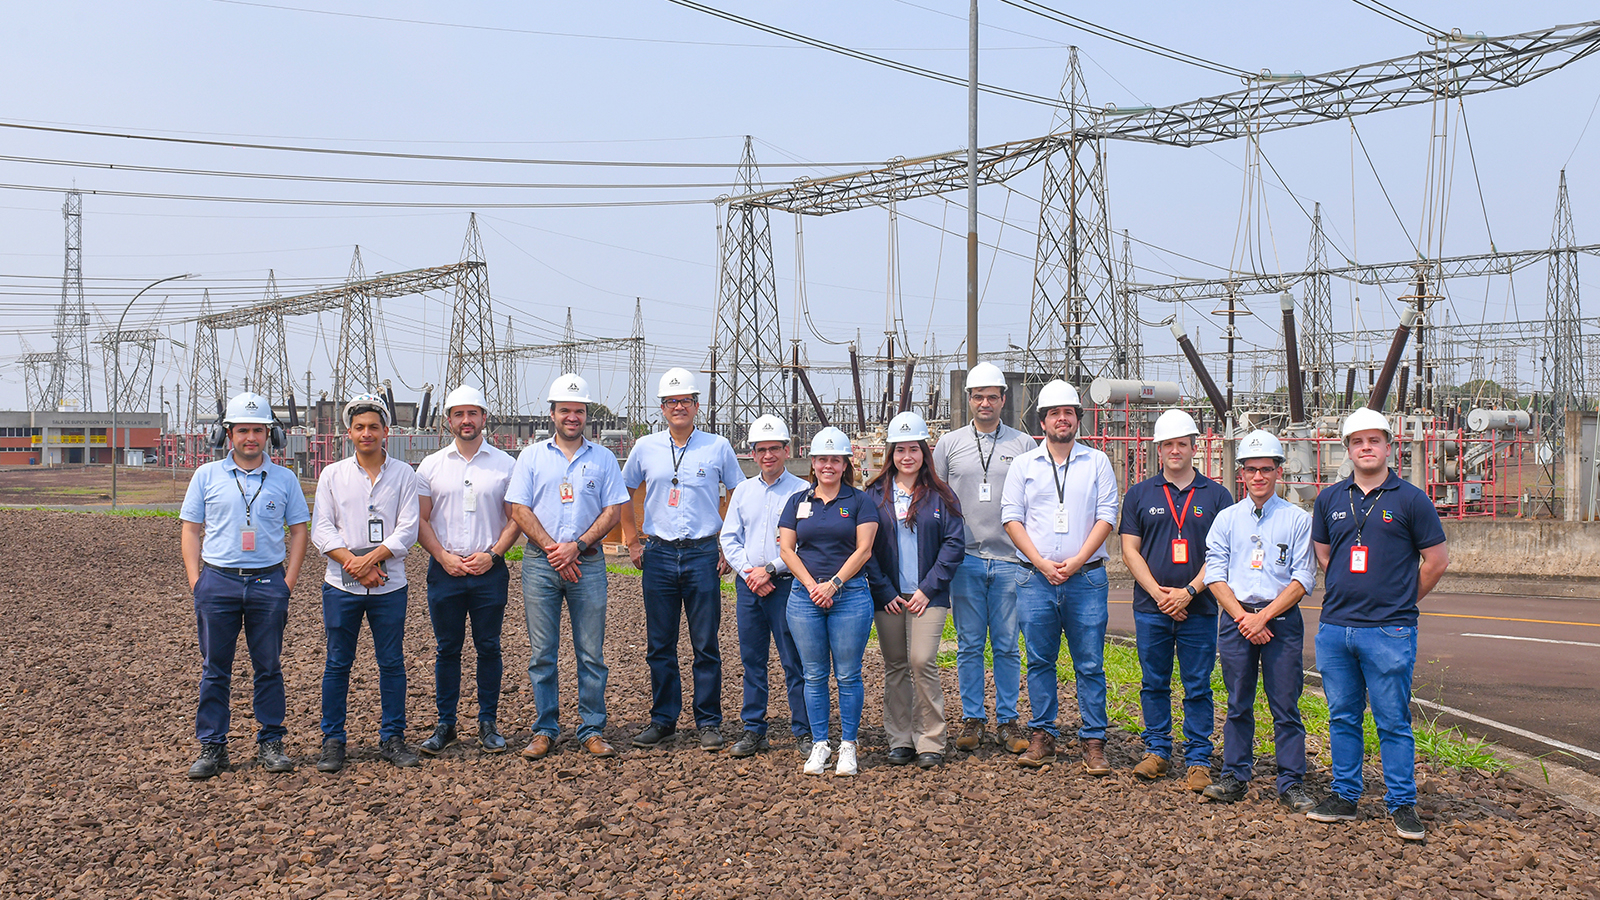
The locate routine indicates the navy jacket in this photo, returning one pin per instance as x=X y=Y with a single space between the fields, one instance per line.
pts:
x=941 y=545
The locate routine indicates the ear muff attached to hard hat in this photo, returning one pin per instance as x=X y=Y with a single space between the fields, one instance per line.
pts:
x=277 y=439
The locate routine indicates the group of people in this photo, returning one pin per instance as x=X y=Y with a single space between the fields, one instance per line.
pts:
x=1005 y=536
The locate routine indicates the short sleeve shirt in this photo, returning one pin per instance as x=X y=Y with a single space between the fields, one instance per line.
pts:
x=593 y=483
x=217 y=497
x=826 y=537
x=1149 y=515
x=1395 y=523
x=699 y=467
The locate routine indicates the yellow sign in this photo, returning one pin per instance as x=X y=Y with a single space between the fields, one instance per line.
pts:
x=100 y=439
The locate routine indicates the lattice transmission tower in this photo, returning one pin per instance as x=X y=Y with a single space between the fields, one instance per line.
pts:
x=356 y=368
x=633 y=404
x=205 y=379
x=1316 y=325
x=471 y=358
x=69 y=370
x=747 y=348
x=270 y=375
x=1565 y=324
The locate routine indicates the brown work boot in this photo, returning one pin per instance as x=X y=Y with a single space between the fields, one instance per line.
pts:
x=1012 y=737
x=1199 y=778
x=1041 y=751
x=971 y=734
x=1094 y=757
x=595 y=745
x=1151 y=767
x=539 y=747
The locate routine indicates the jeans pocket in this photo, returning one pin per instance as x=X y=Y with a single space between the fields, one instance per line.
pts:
x=1402 y=632
x=1023 y=574
x=1097 y=577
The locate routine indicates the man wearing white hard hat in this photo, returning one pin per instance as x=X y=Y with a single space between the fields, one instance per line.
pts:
x=1165 y=523
x=1059 y=506
x=762 y=582
x=466 y=527
x=566 y=494
x=1258 y=566
x=241 y=570
x=365 y=521
x=973 y=461
x=1370 y=530
x=682 y=472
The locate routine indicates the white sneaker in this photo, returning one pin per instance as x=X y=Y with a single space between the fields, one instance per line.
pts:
x=847 y=759
x=818 y=763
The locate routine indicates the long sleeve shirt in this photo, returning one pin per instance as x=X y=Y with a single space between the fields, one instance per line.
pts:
x=469 y=509
x=356 y=514
x=1085 y=488
x=750 y=532
x=1258 y=552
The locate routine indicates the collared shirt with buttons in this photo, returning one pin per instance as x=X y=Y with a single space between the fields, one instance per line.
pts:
x=1395 y=522
x=1281 y=530
x=750 y=532
x=959 y=459
x=592 y=474
x=1086 y=487
x=347 y=501
x=705 y=462
x=1149 y=515
x=826 y=537
x=218 y=494
x=446 y=477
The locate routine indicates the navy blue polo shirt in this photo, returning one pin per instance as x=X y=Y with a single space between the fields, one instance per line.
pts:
x=825 y=539
x=1147 y=516
x=1395 y=522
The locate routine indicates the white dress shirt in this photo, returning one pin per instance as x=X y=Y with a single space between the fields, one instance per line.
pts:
x=469 y=508
x=750 y=532
x=1088 y=494
x=347 y=502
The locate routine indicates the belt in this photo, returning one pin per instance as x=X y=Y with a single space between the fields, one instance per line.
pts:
x=1093 y=564
x=683 y=544
x=244 y=573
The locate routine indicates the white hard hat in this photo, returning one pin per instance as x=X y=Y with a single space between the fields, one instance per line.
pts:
x=677 y=382
x=830 y=441
x=768 y=428
x=986 y=375
x=906 y=427
x=1259 y=444
x=248 y=408
x=1364 y=419
x=361 y=403
x=1057 y=393
x=465 y=395
x=1174 y=423
x=570 y=387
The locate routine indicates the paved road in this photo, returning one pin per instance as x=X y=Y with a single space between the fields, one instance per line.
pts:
x=1520 y=671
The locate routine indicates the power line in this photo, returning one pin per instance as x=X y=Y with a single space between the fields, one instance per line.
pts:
x=365 y=204
x=1084 y=25
x=1395 y=15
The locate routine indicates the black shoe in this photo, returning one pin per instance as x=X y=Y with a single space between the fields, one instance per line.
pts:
x=929 y=760
x=213 y=759
x=272 y=758
x=1333 y=809
x=750 y=744
x=1406 y=823
x=653 y=735
x=444 y=734
x=900 y=756
x=1226 y=789
x=711 y=740
x=803 y=744
x=332 y=757
x=489 y=738
x=395 y=751
x=1297 y=798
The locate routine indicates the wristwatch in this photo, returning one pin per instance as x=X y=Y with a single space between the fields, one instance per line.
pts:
x=772 y=569
x=1191 y=590
x=498 y=557
x=582 y=546
x=837 y=584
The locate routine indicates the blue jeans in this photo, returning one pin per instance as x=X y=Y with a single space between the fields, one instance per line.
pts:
x=1357 y=663
x=1281 y=667
x=836 y=635
x=451 y=601
x=223 y=604
x=1076 y=608
x=1194 y=643
x=764 y=621
x=983 y=602
x=341 y=617
x=682 y=583
x=543 y=592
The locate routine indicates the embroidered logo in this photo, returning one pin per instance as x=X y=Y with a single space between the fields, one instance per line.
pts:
x=1388 y=516
x=844 y=512
x=1198 y=511
x=272 y=504
x=1158 y=510
x=701 y=473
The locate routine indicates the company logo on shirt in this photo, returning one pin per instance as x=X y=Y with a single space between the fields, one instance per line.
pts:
x=1388 y=516
x=590 y=485
x=1198 y=511
x=844 y=512
x=1337 y=514
x=702 y=472
x=272 y=504
x=1158 y=510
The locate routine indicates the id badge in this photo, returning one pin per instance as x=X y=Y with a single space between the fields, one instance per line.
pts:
x=566 y=494
x=469 y=499
x=984 y=494
x=1180 y=552
x=374 y=530
x=247 y=540
x=672 y=497
x=803 y=511
x=1258 y=557
x=1061 y=521
x=1358 y=560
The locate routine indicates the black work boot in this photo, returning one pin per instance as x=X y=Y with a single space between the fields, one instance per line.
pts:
x=213 y=760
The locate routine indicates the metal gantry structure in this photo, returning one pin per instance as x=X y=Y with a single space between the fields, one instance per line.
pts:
x=133 y=394
x=69 y=365
x=748 y=374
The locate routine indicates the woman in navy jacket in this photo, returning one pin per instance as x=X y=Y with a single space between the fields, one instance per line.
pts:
x=914 y=555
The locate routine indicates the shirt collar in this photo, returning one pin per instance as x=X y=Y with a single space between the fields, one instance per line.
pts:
x=228 y=462
x=1198 y=480
x=1391 y=482
x=1272 y=503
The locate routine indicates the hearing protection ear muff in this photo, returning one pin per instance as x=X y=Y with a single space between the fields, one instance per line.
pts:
x=276 y=438
x=218 y=437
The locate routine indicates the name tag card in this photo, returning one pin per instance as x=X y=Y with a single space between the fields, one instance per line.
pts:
x=1180 y=552
x=567 y=496
x=803 y=511
x=469 y=498
x=247 y=540
x=374 y=530
x=1258 y=557
x=672 y=497
x=985 y=495
x=1061 y=520
x=1358 y=560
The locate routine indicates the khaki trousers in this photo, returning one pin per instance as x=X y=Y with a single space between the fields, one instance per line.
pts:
x=913 y=697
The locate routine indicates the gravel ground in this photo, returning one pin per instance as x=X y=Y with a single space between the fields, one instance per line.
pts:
x=96 y=729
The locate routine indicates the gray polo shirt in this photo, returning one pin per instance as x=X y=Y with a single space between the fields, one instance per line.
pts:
x=959 y=458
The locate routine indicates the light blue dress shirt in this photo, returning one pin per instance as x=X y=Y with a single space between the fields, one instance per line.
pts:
x=750 y=533
x=213 y=499
x=1282 y=531
x=906 y=541
x=540 y=471
x=707 y=461
x=1090 y=496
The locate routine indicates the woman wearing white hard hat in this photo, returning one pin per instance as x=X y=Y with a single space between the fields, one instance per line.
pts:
x=920 y=543
x=825 y=537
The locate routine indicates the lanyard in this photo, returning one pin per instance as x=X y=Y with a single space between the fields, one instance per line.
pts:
x=978 y=439
x=1061 y=481
x=1371 y=504
x=1172 y=507
x=252 y=500
x=677 y=458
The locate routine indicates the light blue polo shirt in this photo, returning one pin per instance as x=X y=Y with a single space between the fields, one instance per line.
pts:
x=705 y=462
x=216 y=498
x=1283 y=533
x=540 y=471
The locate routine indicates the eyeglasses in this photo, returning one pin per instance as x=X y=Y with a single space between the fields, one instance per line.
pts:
x=763 y=450
x=1257 y=470
x=987 y=398
x=679 y=401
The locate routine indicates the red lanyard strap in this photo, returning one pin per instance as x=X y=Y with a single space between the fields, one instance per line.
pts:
x=1172 y=508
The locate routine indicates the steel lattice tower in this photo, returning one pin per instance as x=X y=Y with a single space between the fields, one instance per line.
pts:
x=1317 y=303
x=69 y=370
x=356 y=368
x=1563 y=315
x=205 y=379
x=1130 y=343
x=508 y=374
x=569 y=349
x=633 y=404
x=1074 y=276
x=472 y=331
x=270 y=375
x=747 y=354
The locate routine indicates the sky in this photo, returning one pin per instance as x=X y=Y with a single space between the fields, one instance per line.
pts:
x=654 y=82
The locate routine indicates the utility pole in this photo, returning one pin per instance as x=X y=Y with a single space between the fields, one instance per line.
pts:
x=972 y=186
